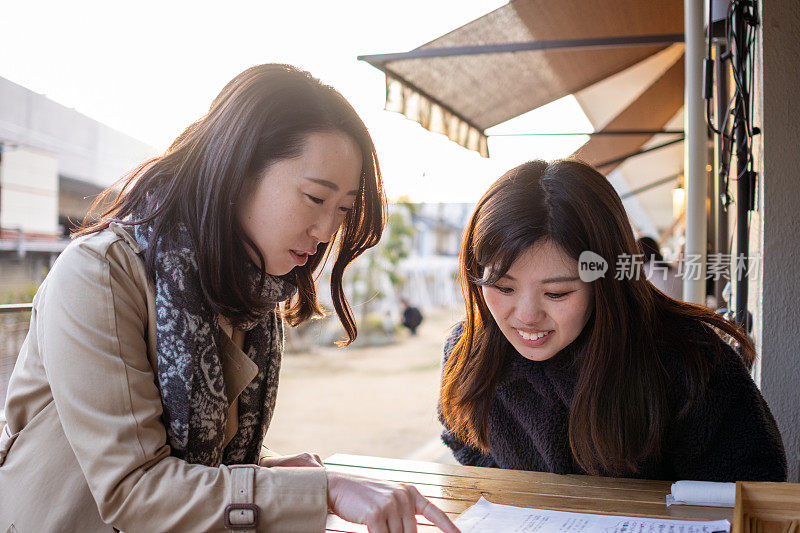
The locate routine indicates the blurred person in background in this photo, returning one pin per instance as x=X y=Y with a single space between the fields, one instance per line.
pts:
x=412 y=317
x=656 y=270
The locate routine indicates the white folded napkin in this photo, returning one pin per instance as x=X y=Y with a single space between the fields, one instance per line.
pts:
x=702 y=493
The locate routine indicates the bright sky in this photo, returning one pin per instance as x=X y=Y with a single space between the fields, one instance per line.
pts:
x=150 y=68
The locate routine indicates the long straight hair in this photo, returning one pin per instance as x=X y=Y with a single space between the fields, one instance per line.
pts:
x=261 y=116
x=619 y=411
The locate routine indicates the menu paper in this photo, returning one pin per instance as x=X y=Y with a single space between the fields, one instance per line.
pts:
x=487 y=517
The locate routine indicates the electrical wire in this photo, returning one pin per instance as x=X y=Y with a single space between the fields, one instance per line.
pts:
x=709 y=61
x=736 y=133
x=741 y=103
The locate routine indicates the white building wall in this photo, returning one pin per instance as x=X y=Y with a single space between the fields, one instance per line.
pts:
x=29 y=191
x=775 y=294
x=86 y=149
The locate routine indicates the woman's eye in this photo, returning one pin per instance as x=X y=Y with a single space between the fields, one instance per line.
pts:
x=314 y=199
x=555 y=295
x=504 y=290
x=345 y=210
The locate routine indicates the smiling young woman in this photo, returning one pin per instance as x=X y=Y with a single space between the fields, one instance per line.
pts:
x=540 y=304
x=149 y=375
x=552 y=373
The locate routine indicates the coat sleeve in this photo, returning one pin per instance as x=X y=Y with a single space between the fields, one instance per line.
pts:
x=729 y=433
x=92 y=326
x=463 y=452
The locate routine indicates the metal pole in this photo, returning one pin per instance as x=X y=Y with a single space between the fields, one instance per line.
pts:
x=601 y=133
x=15 y=308
x=743 y=192
x=722 y=97
x=644 y=188
x=618 y=160
x=524 y=46
x=696 y=150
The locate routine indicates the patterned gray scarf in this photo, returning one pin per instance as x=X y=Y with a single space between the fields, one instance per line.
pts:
x=189 y=363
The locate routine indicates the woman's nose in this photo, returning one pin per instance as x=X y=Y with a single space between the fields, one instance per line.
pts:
x=324 y=227
x=529 y=312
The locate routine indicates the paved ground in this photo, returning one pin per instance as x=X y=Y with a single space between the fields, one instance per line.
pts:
x=370 y=401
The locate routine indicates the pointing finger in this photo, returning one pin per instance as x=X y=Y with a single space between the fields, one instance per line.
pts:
x=434 y=514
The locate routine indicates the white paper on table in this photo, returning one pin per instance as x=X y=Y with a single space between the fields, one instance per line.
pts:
x=487 y=517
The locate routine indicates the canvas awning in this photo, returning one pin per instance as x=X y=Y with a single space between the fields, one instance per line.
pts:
x=522 y=56
x=649 y=112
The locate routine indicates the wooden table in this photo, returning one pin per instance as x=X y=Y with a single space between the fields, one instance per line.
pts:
x=455 y=488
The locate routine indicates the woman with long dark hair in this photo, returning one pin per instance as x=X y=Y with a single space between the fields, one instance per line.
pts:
x=564 y=369
x=148 y=379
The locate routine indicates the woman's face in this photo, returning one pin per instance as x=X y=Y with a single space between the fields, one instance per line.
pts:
x=541 y=305
x=298 y=203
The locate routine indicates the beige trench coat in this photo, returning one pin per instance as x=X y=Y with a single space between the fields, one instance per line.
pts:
x=84 y=448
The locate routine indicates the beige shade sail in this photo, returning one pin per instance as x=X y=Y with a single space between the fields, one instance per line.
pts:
x=650 y=111
x=576 y=43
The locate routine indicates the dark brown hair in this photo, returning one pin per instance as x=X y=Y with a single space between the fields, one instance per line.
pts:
x=619 y=412
x=263 y=115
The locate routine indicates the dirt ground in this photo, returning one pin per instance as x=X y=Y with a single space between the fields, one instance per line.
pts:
x=370 y=401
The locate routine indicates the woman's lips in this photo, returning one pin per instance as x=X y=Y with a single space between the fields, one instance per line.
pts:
x=533 y=338
x=300 y=257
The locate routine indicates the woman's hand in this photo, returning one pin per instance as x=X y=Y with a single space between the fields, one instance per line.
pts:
x=383 y=506
x=300 y=459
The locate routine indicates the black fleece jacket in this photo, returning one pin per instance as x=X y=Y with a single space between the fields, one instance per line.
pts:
x=728 y=434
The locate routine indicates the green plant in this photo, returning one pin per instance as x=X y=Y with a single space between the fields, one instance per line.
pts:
x=397 y=244
x=22 y=294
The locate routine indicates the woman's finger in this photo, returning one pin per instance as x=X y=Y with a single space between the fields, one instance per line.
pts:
x=394 y=509
x=300 y=459
x=377 y=525
x=409 y=523
x=395 y=521
x=409 y=509
x=434 y=514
